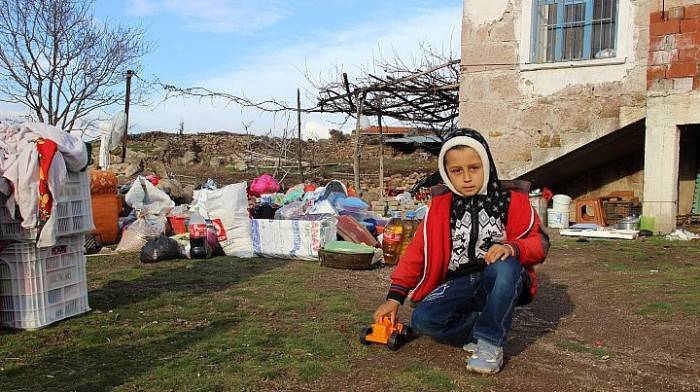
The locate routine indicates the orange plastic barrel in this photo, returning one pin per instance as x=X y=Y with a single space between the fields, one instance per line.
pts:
x=105 y=215
x=103 y=182
x=105 y=205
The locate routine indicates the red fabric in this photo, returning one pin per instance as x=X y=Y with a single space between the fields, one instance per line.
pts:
x=413 y=272
x=153 y=179
x=47 y=149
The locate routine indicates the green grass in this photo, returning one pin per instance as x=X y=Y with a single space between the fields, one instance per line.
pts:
x=143 y=147
x=418 y=376
x=221 y=324
x=578 y=347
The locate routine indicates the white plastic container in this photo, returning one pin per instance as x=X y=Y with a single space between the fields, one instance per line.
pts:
x=39 y=286
x=561 y=202
x=73 y=212
x=557 y=219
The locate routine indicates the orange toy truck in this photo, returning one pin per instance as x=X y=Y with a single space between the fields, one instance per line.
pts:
x=384 y=332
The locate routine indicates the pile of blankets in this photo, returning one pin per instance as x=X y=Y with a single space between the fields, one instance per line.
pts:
x=34 y=160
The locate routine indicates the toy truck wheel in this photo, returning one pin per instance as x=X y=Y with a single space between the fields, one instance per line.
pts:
x=395 y=341
x=407 y=333
x=363 y=335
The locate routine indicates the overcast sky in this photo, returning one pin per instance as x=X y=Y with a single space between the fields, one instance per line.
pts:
x=261 y=48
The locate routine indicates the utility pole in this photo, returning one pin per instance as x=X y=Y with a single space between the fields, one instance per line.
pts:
x=301 y=168
x=126 y=111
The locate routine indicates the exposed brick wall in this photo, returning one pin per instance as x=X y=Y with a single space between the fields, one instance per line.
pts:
x=674 y=49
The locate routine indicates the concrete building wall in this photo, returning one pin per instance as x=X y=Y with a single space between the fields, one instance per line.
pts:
x=533 y=113
x=673 y=81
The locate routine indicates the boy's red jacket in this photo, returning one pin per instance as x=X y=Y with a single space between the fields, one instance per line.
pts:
x=424 y=265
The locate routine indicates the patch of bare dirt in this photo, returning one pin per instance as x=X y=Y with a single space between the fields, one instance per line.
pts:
x=577 y=302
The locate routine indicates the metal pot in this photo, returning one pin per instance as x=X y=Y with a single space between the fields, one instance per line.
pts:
x=627 y=226
x=629 y=223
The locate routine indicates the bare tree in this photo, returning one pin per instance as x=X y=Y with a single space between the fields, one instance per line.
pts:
x=60 y=62
x=181 y=128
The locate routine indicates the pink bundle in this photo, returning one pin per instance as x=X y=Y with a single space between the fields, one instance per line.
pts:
x=264 y=184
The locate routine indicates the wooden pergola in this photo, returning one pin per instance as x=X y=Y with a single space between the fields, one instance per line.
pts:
x=425 y=95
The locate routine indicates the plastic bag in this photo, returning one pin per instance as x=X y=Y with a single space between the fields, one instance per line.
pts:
x=92 y=244
x=294 y=193
x=334 y=186
x=290 y=211
x=272 y=198
x=160 y=249
x=323 y=207
x=138 y=233
x=181 y=210
x=183 y=243
x=352 y=203
x=264 y=184
x=230 y=206
x=210 y=185
x=150 y=200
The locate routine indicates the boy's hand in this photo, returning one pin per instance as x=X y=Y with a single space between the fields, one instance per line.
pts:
x=497 y=252
x=389 y=308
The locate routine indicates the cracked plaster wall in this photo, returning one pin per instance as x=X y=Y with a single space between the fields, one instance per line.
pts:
x=531 y=115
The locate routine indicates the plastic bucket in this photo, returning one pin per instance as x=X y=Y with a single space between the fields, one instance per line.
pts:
x=561 y=202
x=179 y=224
x=557 y=219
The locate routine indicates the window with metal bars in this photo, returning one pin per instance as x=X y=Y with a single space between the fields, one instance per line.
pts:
x=570 y=30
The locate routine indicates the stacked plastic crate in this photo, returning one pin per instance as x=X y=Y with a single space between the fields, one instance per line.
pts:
x=39 y=286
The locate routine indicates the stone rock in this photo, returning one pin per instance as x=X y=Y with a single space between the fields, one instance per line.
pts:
x=132 y=155
x=216 y=162
x=133 y=169
x=158 y=168
x=172 y=188
x=189 y=158
x=187 y=194
x=126 y=169
x=240 y=166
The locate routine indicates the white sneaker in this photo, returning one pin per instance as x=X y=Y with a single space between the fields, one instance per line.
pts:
x=487 y=359
x=470 y=347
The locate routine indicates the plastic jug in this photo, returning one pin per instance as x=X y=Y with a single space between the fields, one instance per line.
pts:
x=392 y=237
x=199 y=248
x=409 y=228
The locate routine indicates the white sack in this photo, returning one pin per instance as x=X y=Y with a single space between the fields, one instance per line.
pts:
x=229 y=205
x=292 y=239
x=146 y=197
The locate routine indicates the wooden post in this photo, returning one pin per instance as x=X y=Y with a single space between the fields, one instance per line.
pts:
x=126 y=111
x=381 y=158
x=299 y=142
x=356 y=153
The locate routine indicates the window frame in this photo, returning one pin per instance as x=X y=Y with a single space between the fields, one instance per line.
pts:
x=560 y=24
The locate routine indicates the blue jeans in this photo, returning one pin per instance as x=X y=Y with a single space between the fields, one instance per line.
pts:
x=476 y=306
